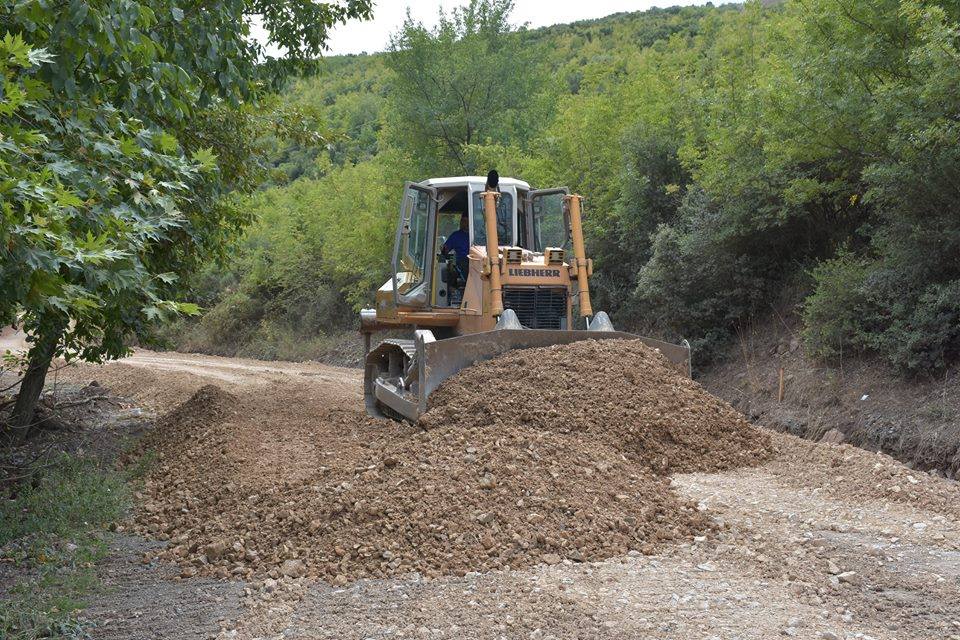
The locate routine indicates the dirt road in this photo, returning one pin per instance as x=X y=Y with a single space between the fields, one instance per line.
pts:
x=820 y=542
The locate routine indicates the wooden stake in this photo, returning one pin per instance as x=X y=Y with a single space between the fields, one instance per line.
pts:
x=780 y=393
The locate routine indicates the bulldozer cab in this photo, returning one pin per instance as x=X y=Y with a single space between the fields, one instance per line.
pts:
x=426 y=270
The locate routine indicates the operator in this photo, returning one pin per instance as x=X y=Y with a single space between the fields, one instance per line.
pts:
x=459 y=240
x=459 y=243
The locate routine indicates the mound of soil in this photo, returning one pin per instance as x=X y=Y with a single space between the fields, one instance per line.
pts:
x=508 y=473
x=850 y=473
x=209 y=404
x=619 y=392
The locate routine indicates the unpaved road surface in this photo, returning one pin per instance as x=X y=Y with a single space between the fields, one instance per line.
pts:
x=805 y=549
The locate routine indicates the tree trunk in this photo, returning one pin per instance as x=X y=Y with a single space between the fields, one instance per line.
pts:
x=40 y=357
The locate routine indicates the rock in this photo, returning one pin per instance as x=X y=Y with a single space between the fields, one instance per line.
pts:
x=833 y=568
x=487 y=482
x=487 y=541
x=849 y=577
x=829 y=635
x=214 y=551
x=833 y=436
x=551 y=558
x=293 y=568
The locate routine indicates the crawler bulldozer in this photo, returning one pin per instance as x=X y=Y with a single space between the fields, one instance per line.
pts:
x=480 y=266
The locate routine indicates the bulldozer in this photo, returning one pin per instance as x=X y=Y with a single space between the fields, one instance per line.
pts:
x=480 y=266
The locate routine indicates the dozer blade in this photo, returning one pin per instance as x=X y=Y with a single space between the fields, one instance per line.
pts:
x=400 y=376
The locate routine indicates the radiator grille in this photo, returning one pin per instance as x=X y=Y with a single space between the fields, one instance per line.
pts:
x=537 y=307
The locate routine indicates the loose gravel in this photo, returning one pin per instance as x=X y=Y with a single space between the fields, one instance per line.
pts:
x=539 y=456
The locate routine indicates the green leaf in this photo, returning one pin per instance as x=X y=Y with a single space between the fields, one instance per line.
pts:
x=166 y=142
x=206 y=158
x=68 y=199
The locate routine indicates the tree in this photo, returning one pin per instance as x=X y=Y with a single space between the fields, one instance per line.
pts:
x=468 y=81
x=116 y=151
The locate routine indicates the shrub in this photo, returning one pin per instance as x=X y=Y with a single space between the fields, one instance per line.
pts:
x=926 y=338
x=859 y=305
x=832 y=314
x=695 y=285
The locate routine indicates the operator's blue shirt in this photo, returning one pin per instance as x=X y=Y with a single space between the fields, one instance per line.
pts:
x=459 y=241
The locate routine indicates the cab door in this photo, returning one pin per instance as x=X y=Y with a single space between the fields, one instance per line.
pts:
x=413 y=247
x=547 y=219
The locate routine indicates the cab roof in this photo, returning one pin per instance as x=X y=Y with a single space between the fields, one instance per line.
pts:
x=464 y=181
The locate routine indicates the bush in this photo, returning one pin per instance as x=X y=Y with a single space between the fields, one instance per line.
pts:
x=860 y=305
x=926 y=338
x=694 y=286
x=833 y=314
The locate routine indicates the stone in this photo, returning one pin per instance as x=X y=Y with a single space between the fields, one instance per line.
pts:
x=293 y=568
x=849 y=577
x=214 y=551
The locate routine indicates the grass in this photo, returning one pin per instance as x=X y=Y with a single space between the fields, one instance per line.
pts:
x=51 y=531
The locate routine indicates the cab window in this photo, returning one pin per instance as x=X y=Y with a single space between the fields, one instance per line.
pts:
x=504 y=220
x=549 y=222
x=415 y=240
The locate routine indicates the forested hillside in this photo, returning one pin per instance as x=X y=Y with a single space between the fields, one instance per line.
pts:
x=735 y=159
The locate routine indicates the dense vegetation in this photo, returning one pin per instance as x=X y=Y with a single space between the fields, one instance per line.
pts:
x=736 y=160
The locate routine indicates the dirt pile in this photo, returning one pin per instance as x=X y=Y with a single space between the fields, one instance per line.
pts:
x=495 y=481
x=615 y=391
x=850 y=473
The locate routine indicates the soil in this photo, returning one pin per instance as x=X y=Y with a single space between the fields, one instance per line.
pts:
x=569 y=473
x=148 y=600
x=795 y=546
x=857 y=399
x=619 y=392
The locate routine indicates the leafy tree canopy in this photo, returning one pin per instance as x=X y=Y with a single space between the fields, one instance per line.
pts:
x=116 y=154
x=470 y=80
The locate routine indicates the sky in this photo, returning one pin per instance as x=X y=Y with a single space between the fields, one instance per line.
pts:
x=388 y=15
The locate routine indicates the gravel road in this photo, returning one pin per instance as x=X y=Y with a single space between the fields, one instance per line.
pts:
x=804 y=549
